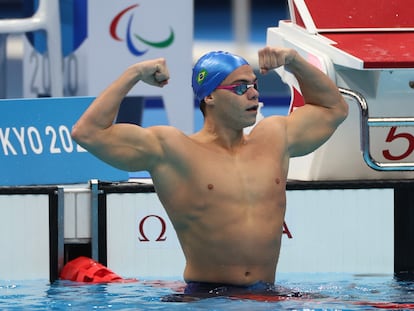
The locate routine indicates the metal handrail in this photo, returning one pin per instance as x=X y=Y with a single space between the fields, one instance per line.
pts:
x=366 y=122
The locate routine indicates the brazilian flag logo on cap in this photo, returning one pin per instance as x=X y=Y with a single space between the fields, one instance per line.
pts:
x=201 y=76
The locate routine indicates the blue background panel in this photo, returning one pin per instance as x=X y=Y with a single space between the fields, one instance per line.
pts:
x=36 y=147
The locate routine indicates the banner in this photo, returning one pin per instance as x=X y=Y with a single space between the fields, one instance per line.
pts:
x=36 y=147
x=101 y=38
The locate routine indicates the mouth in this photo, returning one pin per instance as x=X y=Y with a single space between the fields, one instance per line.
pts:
x=253 y=108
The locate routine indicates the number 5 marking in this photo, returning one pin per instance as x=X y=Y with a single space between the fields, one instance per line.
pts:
x=391 y=137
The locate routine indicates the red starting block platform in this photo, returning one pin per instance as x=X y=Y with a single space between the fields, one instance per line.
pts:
x=367 y=49
x=351 y=15
x=380 y=33
x=378 y=50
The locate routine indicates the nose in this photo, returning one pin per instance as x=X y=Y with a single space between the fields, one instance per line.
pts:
x=252 y=92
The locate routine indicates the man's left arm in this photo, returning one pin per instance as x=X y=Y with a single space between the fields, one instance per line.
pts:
x=325 y=109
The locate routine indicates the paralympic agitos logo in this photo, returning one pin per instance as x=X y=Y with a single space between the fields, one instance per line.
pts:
x=131 y=38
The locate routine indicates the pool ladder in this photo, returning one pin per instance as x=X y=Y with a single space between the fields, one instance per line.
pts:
x=366 y=122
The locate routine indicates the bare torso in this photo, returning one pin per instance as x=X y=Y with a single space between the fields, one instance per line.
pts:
x=227 y=206
x=224 y=193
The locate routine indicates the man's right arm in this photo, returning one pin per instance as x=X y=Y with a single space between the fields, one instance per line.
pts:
x=125 y=146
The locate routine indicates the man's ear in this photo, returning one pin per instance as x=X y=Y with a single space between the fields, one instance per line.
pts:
x=209 y=100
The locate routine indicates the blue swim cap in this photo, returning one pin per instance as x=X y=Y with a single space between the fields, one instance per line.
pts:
x=211 y=69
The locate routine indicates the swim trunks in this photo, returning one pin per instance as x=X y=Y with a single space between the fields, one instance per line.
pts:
x=200 y=290
x=218 y=289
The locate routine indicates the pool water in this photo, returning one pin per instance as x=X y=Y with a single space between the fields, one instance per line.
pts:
x=340 y=292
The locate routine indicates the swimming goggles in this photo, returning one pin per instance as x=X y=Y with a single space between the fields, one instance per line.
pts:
x=239 y=88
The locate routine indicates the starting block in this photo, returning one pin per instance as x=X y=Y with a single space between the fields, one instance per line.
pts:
x=367 y=49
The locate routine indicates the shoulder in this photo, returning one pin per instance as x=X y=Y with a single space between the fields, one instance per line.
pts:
x=270 y=132
x=272 y=124
x=165 y=132
x=170 y=137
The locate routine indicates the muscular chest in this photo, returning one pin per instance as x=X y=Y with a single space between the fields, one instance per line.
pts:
x=245 y=175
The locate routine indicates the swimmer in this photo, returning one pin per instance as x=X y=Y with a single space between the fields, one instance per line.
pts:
x=223 y=190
